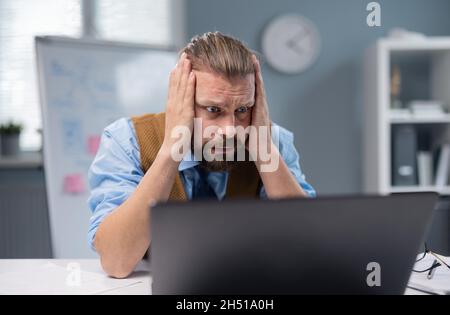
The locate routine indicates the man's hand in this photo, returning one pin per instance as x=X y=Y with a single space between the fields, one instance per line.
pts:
x=277 y=179
x=260 y=113
x=180 y=103
x=260 y=119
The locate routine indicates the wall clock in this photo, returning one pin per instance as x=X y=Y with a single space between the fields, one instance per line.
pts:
x=291 y=43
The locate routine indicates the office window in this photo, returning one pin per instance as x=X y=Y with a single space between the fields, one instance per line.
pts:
x=141 y=21
x=145 y=21
x=20 y=21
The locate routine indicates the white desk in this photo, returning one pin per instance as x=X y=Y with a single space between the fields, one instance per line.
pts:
x=137 y=284
x=56 y=271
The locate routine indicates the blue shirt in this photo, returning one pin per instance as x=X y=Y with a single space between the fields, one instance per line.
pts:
x=116 y=171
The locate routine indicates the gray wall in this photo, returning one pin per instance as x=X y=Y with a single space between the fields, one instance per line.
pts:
x=323 y=105
x=24 y=221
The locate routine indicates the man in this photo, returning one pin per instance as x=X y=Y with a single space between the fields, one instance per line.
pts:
x=217 y=82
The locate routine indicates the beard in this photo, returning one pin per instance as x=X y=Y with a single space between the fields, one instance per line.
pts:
x=226 y=163
x=219 y=166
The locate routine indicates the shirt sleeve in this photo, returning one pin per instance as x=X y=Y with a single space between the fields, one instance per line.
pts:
x=114 y=174
x=292 y=159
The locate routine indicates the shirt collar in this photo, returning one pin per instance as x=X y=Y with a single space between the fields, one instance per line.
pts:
x=187 y=162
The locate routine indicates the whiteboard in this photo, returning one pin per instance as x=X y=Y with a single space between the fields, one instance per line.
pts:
x=84 y=86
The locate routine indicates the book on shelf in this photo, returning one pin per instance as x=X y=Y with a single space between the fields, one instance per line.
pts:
x=442 y=166
x=425 y=168
x=404 y=155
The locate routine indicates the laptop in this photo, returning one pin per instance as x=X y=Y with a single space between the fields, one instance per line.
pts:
x=328 y=245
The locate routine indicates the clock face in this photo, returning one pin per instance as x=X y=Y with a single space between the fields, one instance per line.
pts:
x=291 y=43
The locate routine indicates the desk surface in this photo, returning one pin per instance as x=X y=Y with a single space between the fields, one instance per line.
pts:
x=58 y=270
x=139 y=283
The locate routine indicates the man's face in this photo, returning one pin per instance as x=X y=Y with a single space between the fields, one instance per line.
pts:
x=220 y=103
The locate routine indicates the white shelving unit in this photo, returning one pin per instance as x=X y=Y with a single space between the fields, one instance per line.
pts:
x=378 y=118
x=444 y=119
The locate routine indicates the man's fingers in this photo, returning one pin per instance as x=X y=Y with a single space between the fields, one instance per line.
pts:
x=258 y=77
x=179 y=69
x=257 y=67
x=190 y=90
x=175 y=78
x=184 y=77
x=171 y=91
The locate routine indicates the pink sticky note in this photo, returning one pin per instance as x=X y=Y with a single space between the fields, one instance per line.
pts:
x=93 y=144
x=74 y=184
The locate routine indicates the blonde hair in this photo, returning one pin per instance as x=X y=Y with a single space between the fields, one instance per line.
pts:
x=219 y=53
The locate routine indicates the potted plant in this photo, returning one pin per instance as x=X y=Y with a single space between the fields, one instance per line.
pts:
x=9 y=138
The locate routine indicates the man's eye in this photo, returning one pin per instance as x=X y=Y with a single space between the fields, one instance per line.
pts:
x=242 y=109
x=213 y=109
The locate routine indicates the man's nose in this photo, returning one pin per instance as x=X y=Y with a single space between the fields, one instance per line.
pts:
x=227 y=127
